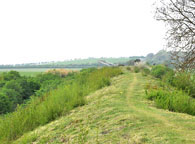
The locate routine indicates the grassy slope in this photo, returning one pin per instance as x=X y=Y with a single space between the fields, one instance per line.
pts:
x=117 y=114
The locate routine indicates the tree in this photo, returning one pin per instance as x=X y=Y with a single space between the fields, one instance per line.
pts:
x=14 y=97
x=14 y=85
x=179 y=15
x=11 y=75
x=5 y=104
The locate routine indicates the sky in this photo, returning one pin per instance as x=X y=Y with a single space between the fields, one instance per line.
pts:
x=56 y=30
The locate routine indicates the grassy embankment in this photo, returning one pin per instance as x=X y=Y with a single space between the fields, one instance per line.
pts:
x=119 y=113
x=58 y=102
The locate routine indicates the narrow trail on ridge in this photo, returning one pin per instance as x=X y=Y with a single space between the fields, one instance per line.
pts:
x=142 y=109
x=132 y=101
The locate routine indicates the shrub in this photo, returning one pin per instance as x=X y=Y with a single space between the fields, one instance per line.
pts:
x=129 y=68
x=11 y=75
x=169 y=77
x=175 y=100
x=145 y=71
x=5 y=104
x=159 y=71
x=14 y=98
x=136 y=69
x=185 y=81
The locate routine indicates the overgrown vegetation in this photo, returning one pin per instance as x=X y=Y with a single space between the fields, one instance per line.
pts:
x=16 y=89
x=185 y=81
x=159 y=71
x=145 y=71
x=41 y=110
x=173 y=100
x=136 y=69
x=176 y=91
x=181 y=80
x=117 y=114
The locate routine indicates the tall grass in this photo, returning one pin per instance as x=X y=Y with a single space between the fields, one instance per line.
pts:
x=173 y=100
x=185 y=81
x=55 y=103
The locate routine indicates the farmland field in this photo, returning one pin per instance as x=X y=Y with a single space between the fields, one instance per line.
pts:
x=29 y=71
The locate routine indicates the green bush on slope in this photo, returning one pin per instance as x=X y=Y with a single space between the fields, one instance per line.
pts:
x=175 y=100
x=41 y=110
x=186 y=82
x=145 y=71
x=159 y=71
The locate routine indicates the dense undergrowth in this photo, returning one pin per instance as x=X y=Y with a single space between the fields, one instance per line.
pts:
x=173 y=100
x=175 y=90
x=16 y=89
x=43 y=109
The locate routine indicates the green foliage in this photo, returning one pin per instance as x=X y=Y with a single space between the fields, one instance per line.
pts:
x=159 y=71
x=185 y=81
x=14 y=86
x=47 y=82
x=5 y=104
x=129 y=68
x=168 y=77
x=181 y=80
x=12 y=75
x=175 y=100
x=14 y=98
x=18 y=88
x=145 y=71
x=136 y=69
x=43 y=109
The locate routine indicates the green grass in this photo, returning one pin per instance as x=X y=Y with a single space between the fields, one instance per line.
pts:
x=117 y=114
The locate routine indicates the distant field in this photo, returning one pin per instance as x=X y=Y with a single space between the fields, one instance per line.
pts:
x=91 y=61
x=28 y=71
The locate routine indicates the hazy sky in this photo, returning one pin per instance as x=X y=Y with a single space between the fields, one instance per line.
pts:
x=46 y=30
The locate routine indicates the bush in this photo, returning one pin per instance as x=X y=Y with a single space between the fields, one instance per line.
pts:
x=169 y=77
x=129 y=68
x=185 y=81
x=176 y=100
x=145 y=71
x=136 y=69
x=11 y=75
x=159 y=71
x=14 y=98
x=5 y=104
